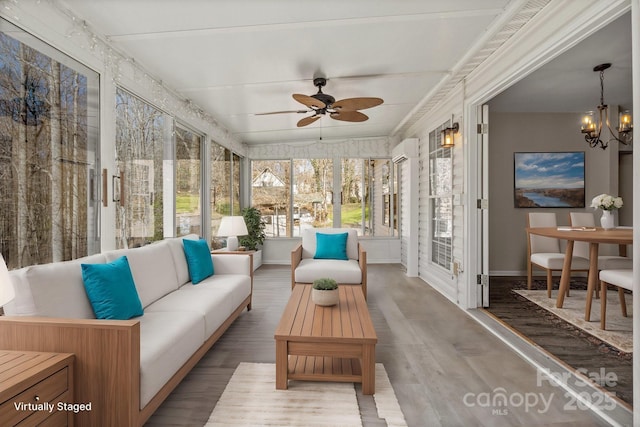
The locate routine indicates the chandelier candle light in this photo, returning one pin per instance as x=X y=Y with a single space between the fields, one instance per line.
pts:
x=608 y=204
x=592 y=129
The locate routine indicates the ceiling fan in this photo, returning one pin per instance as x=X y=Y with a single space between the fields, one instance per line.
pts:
x=321 y=104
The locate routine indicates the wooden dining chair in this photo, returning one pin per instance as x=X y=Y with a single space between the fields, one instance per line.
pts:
x=544 y=252
x=623 y=279
x=605 y=262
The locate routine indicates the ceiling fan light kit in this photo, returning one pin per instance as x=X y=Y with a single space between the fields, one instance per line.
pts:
x=592 y=125
x=321 y=104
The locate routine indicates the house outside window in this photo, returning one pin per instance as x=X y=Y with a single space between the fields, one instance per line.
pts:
x=297 y=194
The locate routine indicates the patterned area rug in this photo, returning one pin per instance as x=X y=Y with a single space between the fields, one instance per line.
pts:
x=619 y=329
x=251 y=399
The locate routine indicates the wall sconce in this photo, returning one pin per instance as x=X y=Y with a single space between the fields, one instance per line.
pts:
x=448 y=133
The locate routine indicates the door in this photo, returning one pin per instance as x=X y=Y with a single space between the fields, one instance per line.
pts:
x=482 y=226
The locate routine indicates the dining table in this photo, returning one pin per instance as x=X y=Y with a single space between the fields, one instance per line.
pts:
x=595 y=236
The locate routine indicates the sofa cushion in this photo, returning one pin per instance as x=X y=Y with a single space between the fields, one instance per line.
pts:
x=179 y=260
x=235 y=287
x=52 y=290
x=215 y=307
x=309 y=241
x=341 y=271
x=111 y=290
x=167 y=341
x=152 y=268
x=331 y=246
x=199 y=260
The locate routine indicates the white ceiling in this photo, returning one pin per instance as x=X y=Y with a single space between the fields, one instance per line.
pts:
x=238 y=58
x=235 y=59
x=568 y=83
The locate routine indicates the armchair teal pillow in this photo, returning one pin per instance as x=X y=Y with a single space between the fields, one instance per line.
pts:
x=331 y=246
x=111 y=290
x=198 y=259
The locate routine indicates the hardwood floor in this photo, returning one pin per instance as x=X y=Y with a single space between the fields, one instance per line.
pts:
x=446 y=369
x=566 y=342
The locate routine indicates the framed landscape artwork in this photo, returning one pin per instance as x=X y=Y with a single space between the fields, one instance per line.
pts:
x=549 y=180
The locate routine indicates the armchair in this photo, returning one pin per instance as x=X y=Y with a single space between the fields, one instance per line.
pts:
x=305 y=268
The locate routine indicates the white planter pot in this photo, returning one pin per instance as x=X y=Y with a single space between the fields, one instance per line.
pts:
x=324 y=298
x=257 y=259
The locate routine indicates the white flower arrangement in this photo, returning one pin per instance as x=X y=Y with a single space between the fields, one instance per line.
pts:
x=606 y=202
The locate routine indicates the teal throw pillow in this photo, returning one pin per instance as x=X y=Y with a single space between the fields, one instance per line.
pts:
x=198 y=259
x=111 y=290
x=331 y=246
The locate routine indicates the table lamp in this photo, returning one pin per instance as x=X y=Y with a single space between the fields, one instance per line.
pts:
x=6 y=288
x=231 y=227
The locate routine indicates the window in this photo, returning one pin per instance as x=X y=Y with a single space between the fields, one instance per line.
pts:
x=369 y=202
x=367 y=199
x=225 y=188
x=441 y=198
x=48 y=143
x=312 y=194
x=140 y=151
x=235 y=184
x=188 y=182
x=355 y=211
x=270 y=194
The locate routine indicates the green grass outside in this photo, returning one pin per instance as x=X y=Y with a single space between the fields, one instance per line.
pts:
x=186 y=203
x=352 y=214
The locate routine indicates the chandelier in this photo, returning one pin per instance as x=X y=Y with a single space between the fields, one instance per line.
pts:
x=592 y=125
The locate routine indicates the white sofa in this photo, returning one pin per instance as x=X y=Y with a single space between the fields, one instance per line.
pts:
x=126 y=368
x=305 y=269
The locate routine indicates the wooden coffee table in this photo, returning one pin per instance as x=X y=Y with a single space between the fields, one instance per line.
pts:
x=335 y=343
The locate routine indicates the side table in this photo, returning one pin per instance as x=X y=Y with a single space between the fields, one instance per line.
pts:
x=252 y=254
x=31 y=386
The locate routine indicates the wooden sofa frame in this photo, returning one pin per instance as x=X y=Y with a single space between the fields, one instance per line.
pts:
x=107 y=361
x=296 y=257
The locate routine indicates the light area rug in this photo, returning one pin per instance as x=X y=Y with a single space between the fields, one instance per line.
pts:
x=618 y=331
x=251 y=399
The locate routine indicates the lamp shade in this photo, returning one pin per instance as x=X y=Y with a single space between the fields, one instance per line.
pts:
x=6 y=288
x=232 y=226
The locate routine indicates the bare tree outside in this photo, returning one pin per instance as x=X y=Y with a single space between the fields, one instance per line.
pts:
x=188 y=179
x=139 y=156
x=47 y=165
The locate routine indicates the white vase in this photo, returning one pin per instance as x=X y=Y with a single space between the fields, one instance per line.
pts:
x=606 y=220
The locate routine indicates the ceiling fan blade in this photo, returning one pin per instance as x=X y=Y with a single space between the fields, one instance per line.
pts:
x=281 y=112
x=309 y=101
x=353 y=104
x=349 y=116
x=307 y=120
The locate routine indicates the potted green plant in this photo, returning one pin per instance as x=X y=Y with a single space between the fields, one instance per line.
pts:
x=255 y=226
x=255 y=238
x=324 y=292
